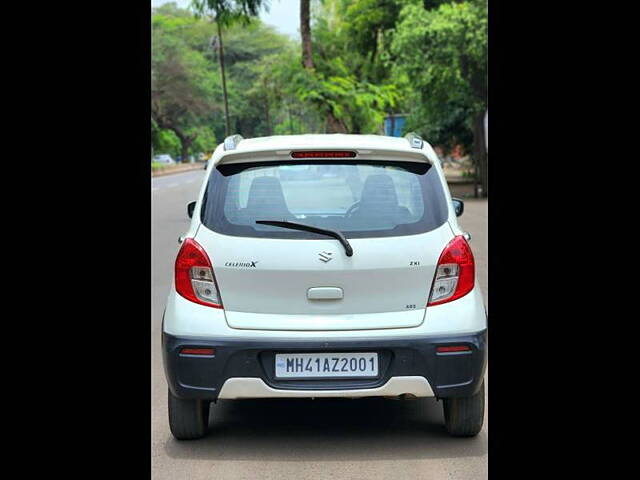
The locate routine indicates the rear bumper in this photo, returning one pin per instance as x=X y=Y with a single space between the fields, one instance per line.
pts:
x=250 y=363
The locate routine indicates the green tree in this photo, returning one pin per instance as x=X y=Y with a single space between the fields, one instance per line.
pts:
x=181 y=82
x=255 y=55
x=369 y=58
x=164 y=141
x=442 y=54
x=259 y=64
x=342 y=84
x=224 y=13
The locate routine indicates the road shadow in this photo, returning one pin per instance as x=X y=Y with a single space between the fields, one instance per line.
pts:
x=326 y=430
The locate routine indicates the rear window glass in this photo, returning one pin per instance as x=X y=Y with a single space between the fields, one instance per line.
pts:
x=373 y=199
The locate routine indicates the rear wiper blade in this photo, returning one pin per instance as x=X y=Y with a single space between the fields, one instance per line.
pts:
x=310 y=228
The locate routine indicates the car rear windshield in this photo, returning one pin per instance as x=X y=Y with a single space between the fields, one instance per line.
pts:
x=372 y=199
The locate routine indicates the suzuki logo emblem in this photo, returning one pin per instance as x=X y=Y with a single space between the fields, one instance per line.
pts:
x=325 y=256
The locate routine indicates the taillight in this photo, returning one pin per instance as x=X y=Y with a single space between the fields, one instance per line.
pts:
x=455 y=273
x=194 y=275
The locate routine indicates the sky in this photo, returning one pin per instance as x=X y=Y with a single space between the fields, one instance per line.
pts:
x=283 y=14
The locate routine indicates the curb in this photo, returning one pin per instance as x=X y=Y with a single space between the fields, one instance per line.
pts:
x=162 y=173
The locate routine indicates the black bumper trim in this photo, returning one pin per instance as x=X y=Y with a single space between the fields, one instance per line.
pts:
x=449 y=374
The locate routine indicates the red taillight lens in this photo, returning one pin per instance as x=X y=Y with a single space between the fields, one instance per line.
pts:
x=194 y=275
x=455 y=273
x=324 y=154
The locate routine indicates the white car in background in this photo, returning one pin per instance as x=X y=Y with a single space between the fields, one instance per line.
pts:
x=356 y=283
x=163 y=158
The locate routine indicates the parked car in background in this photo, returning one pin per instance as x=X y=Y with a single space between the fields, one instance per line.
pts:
x=163 y=158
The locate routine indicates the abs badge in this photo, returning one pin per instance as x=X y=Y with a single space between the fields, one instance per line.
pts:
x=325 y=256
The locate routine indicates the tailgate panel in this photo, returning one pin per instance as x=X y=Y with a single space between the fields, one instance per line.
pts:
x=264 y=283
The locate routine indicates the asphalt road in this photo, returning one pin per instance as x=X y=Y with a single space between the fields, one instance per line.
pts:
x=300 y=439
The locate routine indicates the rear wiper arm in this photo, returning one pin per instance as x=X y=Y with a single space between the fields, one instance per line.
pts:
x=310 y=228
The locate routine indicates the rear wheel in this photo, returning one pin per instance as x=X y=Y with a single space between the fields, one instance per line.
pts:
x=463 y=417
x=188 y=419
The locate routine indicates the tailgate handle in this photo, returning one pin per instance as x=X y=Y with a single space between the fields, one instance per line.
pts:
x=324 y=293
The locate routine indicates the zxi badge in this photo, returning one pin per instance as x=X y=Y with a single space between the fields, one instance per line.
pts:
x=325 y=256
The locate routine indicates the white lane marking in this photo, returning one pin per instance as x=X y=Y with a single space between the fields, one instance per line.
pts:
x=172 y=185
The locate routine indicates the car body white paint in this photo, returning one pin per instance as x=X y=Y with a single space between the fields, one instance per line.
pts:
x=286 y=269
x=187 y=319
x=271 y=303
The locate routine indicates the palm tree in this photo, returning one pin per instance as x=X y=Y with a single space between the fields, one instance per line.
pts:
x=305 y=33
x=224 y=13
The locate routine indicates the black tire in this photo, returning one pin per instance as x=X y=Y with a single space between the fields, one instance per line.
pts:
x=188 y=419
x=464 y=417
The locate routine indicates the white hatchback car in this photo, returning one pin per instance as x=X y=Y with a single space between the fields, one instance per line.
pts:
x=164 y=158
x=347 y=276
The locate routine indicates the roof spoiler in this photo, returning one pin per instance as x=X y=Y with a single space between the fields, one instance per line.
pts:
x=414 y=140
x=377 y=150
x=232 y=141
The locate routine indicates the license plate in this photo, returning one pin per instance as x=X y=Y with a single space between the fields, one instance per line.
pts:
x=326 y=365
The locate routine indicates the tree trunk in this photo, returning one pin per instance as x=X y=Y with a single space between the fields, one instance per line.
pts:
x=334 y=125
x=227 y=123
x=266 y=117
x=290 y=122
x=266 y=108
x=480 y=159
x=305 y=33
x=185 y=142
x=185 y=151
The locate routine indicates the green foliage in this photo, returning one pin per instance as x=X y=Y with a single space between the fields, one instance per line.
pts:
x=426 y=58
x=165 y=141
x=227 y=12
x=442 y=54
x=205 y=140
x=255 y=55
x=360 y=106
x=446 y=125
x=351 y=82
x=183 y=86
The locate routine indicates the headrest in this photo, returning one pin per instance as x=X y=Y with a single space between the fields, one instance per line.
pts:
x=266 y=199
x=380 y=190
